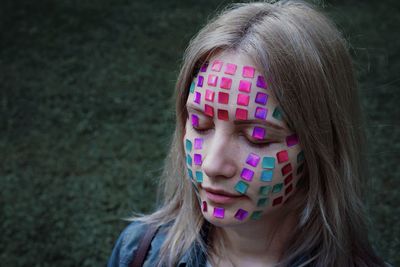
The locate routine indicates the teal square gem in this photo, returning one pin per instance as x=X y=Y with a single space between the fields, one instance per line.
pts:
x=277 y=188
x=266 y=175
x=300 y=157
x=264 y=190
x=188 y=145
x=262 y=202
x=189 y=160
x=256 y=215
x=199 y=177
x=190 y=173
x=277 y=114
x=192 y=85
x=241 y=187
x=268 y=163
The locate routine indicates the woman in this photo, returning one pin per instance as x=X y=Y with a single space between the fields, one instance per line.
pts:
x=265 y=167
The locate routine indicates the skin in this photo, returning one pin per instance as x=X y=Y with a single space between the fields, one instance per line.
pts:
x=258 y=238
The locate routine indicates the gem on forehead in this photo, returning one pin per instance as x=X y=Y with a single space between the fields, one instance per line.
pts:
x=300 y=169
x=258 y=133
x=244 y=86
x=268 y=163
x=190 y=173
x=286 y=169
x=212 y=80
x=241 y=187
x=200 y=81
x=204 y=206
x=209 y=110
x=188 y=145
x=248 y=72
x=210 y=95
x=261 y=98
x=197 y=97
x=277 y=188
x=277 y=201
x=223 y=115
x=217 y=65
x=241 y=114
x=282 y=156
x=195 y=120
x=264 y=190
x=288 y=189
x=241 y=214
x=261 y=82
x=288 y=179
x=292 y=140
x=247 y=174
x=230 y=69
x=223 y=98
x=256 y=215
x=199 y=177
x=277 y=114
x=204 y=67
x=300 y=156
x=189 y=160
x=261 y=113
x=198 y=143
x=262 y=202
x=253 y=159
x=226 y=83
x=192 y=86
x=266 y=175
x=219 y=213
x=243 y=100
x=197 y=159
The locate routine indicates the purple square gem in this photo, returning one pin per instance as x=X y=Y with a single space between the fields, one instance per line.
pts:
x=200 y=81
x=241 y=214
x=259 y=133
x=219 y=212
x=204 y=67
x=261 y=82
x=195 y=120
x=197 y=97
x=253 y=159
x=261 y=113
x=198 y=143
x=197 y=159
x=292 y=140
x=261 y=98
x=247 y=174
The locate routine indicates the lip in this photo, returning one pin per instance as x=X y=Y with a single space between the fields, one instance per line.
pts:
x=221 y=196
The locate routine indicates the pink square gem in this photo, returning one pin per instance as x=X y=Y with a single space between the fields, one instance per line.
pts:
x=292 y=140
x=226 y=83
x=217 y=65
x=223 y=98
x=230 y=69
x=212 y=80
x=245 y=86
x=282 y=156
x=241 y=114
x=210 y=95
x=223 y=114
x=243 y=100
x=248 y=72
x=208 y=110
x=198 y=143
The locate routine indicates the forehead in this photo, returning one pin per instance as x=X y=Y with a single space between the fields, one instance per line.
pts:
x=229 y=87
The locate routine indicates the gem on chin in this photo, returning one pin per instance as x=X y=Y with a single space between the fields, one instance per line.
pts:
x=256 y=215
x=241 y=214
x=219 y=213
x=241 y=187
x=204 y=206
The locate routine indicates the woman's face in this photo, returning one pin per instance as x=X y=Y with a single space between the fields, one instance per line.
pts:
x=242 y=158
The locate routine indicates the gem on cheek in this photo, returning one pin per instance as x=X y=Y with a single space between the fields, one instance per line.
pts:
x=230 y=69
x=248 y=72
x=261 y=113
x=288 y=179
x=243 y=100
x=256 y=215
x=292 y=140
x=282 y=156
x=244 y=86
x=241 y=214
x=219 y=213
x=199 y=177
x=266 y=175
x=241 y=114
x=204 y=67
x=264 y=190
x=241 y=187
x=289 y=189
x=262 y=202
x=212 y=80
x=268 y=163
x=261 y=82
x=195 y=120
x=286 y=169
x=192 y=86
x=253 y=159
x=198 y=143
x=188 y=145
x=209 y=95
x=261 y=98
x=300 y=157
x=204 y=206
x=226 y=83
x=217 y=65
x=258 y=133
x=209 y=110
x=197 y=159
x=197 y=97
x=223 y=115
x=277 y=188
x=200 y=81
x=247 y=174
x=277 y=201
x=223 y=98
x=277 y=114
x=189 y=160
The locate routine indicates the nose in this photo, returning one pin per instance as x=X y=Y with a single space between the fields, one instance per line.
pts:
x=218 y=161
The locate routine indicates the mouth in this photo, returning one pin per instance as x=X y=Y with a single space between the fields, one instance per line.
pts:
x=220 y=196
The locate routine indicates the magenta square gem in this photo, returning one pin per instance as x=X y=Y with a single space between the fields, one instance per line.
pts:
x=200 y=81
x=247 y=174
x=241 y=214
x=197 y=159
x=261 y=82
x=198 y=143
x=245 y=86
x=195 y=120
x=210 y=95
x=212 y=80
x=261 y=98
x=226 y=83
x=197 y=97
x=219 y=212
x=243 y=100
x=253 y=159
x=217 y=65
x=292 y=140
x=230 y=69
x=259 y=133
x=261 y=113
x=204 y=67
x=248 y=72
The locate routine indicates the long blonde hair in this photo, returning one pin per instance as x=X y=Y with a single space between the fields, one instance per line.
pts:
x=314 y=83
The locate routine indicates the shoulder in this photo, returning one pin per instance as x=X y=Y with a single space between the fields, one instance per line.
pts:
x=127 y=245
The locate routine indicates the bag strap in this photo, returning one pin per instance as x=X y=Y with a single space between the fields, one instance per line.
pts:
x=144 y=245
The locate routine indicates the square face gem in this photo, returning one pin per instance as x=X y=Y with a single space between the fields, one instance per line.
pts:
x=241 y=187
x=188 y=145
x=264 y=190
x=243 y=100
x=204 y=206
x=261 y=82
x=210 y=95
x=266 y=175
x=199 y=177
x=253 y=159
x=219 y=213
x=223 y=115
x=286 y=169
x=241 y=214
x=197 y=97
x=198 y=143
x=217 y=65
x=262 y=202
x=261 y=98
x=277 y=201
x=241 y=114
x=277 y=114
x=192 y=86
x=200 y=81
x=277 y=188
x=195 y=120
x=223 y=98
x=230 y=69
x=204 y=67
x=268 y=163
x=300 y=157
x=244 y=86
x=288 y=179
x=260 y=113
x=197 y=159
x=248 y=72
x=226 y=83
x=256 y=215
x=209 y=110
x=247 y=174
x=189 y=160
x=282 y=156
x=259 y=133
x=212 y=80
x=292 y=140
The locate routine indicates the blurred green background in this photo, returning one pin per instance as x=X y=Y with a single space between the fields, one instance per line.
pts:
x=86 y=118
